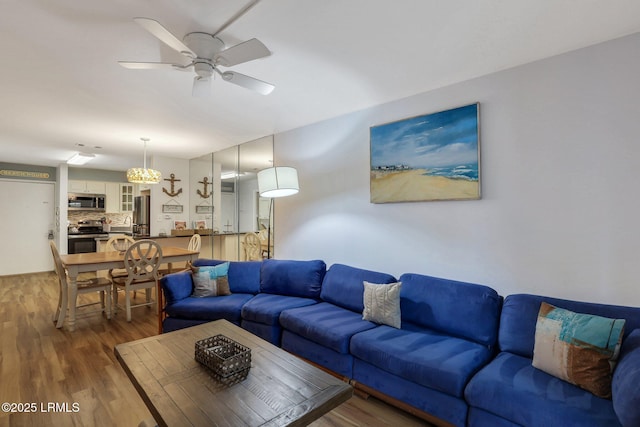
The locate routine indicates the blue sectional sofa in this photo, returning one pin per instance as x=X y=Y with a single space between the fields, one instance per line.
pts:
x=461 y=357
x=509 y=391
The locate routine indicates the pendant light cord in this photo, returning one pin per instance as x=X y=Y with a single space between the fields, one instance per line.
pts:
x=144 y=160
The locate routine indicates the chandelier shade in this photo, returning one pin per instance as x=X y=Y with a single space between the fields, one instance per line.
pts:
x=279 y=181
x=143 y=175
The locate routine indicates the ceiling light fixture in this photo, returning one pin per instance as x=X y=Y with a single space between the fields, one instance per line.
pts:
x=229 y=175
x=144 y=175
x=80 y=158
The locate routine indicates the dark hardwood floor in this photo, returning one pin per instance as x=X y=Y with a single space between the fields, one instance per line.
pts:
x=73 y=379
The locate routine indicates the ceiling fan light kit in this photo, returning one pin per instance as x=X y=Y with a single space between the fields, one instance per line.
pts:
x=206 y=53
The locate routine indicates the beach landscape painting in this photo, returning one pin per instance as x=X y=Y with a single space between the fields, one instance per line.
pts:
x=430 y=157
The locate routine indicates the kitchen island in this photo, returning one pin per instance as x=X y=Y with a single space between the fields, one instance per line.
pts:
x=225 y=246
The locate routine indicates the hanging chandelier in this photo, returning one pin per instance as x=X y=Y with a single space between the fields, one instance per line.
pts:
x=143 y=175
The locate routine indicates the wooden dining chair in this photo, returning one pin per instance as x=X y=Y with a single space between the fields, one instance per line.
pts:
x=100 y=284
x=119 y=243
x=252 y=247
x=194 y=245
x=263 y=235
x=141 y=261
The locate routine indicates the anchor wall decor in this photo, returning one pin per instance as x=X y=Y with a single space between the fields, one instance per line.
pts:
x=173 y=180
x=206 y=183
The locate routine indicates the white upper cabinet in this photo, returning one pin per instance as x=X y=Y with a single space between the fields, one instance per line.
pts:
x=126 y=197
x=113 y=197
x=91 y=187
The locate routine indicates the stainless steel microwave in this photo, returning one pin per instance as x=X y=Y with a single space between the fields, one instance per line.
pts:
x=86 y=202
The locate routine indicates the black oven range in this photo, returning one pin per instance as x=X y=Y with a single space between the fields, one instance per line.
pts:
x=82 y=238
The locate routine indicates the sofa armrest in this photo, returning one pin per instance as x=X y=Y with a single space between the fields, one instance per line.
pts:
x=626 y=377
x=177 y=286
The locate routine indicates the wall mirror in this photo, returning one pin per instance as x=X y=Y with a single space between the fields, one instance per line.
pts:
x=233 y=208
x=201 y=208
x=254 y=210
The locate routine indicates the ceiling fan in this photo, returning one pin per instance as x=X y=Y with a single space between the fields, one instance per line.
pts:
x=207 y=53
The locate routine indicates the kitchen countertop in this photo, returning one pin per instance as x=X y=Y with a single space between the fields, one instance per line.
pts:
x=161 y=237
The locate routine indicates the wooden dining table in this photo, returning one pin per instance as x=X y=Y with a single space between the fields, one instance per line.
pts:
x=96 y=261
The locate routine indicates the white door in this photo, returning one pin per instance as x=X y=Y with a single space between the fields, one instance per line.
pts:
x=27 y=213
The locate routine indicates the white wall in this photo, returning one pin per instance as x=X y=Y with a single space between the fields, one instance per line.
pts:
x=558 y=215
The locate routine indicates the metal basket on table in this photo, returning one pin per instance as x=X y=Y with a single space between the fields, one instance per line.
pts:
x=228 y=361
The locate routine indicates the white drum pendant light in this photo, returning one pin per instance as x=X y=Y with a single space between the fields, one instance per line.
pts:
x=143 y=175
x=279 y=181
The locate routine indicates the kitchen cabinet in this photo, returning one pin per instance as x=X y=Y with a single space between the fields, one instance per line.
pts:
x=90 y=187
x=119 y=197
x=126 y=197
x=113 y=197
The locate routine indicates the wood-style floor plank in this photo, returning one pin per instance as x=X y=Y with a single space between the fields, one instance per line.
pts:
x=47 y=366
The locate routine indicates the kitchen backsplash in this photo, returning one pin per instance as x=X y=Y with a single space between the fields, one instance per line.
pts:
x=116 y=218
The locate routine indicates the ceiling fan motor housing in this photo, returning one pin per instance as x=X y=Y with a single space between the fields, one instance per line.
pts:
x=204 y=45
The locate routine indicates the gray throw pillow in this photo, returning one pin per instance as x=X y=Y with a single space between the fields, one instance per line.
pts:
x=382 y=303
x=204 y=285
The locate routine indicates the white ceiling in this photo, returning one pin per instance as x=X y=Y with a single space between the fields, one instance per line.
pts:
x=61 y=84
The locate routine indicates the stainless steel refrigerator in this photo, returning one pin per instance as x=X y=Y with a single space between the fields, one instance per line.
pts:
x=141 y=215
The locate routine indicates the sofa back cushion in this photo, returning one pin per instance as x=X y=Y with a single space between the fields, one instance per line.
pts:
x=520 y=315
x=344 y=285
x=176 y=286
x=464 y=310
x=626 y=377
x=294 y=278
x=243 y=276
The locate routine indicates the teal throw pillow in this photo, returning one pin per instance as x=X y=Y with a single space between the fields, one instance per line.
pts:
x=214 y=271
x=578 y=348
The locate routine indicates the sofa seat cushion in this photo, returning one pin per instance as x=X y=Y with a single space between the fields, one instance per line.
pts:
x=511 y=388
x=226 y=307
x=428 y=358
x=266 y=308
x=325 y=324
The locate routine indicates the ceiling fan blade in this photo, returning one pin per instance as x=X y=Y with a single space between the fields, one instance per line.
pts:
x=150 y=65
x=156 y=28
x=201 y=87
x=243 y=52
x=247 y=82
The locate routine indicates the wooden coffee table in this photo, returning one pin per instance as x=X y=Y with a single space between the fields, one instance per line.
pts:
x=280 y=389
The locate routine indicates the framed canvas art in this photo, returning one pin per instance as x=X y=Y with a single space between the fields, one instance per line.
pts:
x=430 y=157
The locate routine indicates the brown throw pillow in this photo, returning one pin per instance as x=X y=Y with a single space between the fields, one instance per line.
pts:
x=223 y=286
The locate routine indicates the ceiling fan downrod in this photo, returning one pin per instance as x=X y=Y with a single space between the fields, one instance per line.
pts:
x=237 y=16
